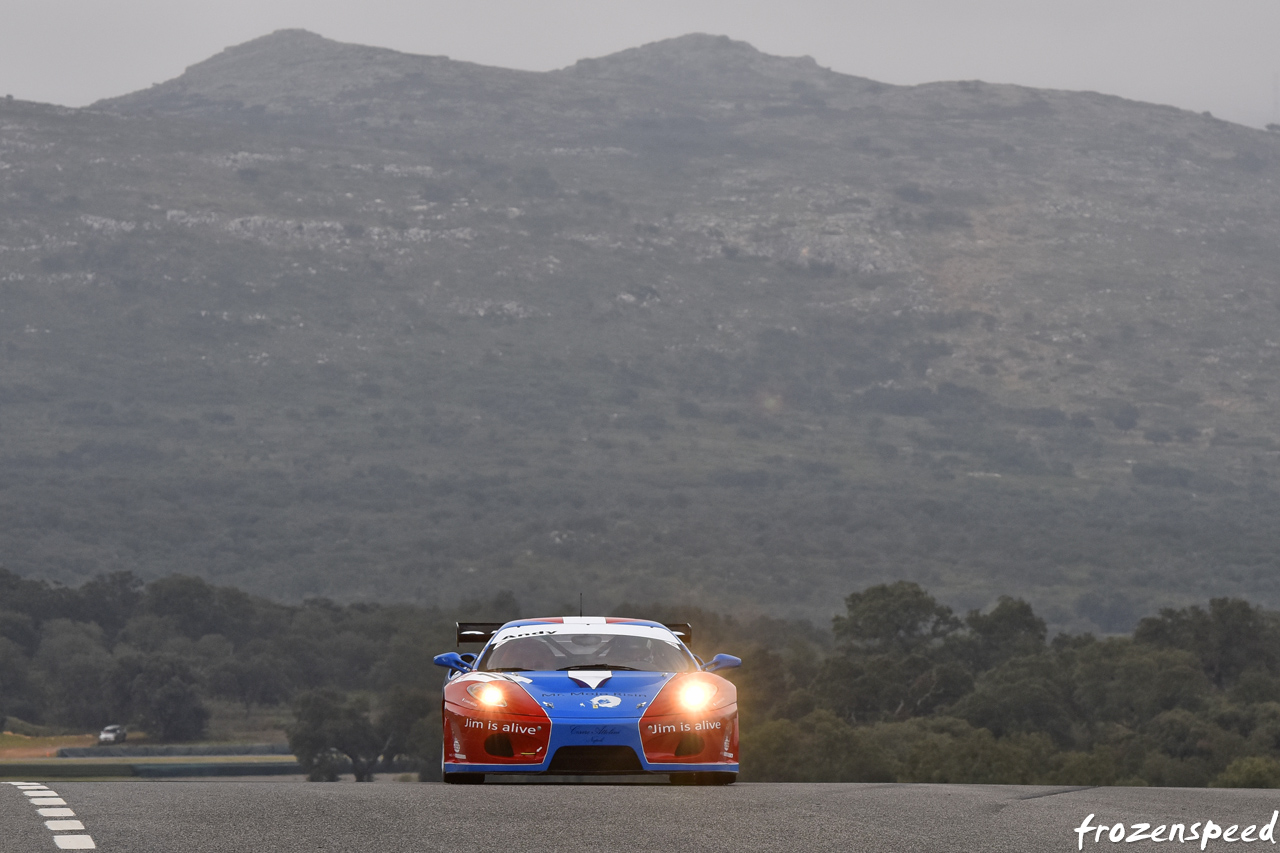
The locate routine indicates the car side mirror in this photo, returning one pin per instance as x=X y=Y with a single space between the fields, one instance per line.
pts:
x=452 y=661
x=722 y=662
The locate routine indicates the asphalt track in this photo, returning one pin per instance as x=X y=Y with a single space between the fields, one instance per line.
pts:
x=284 y=817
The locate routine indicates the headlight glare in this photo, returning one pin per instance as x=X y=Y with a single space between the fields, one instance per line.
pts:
x=696 y=695
x=488 y=694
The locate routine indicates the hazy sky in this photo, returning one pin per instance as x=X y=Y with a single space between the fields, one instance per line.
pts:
x=1217 y=55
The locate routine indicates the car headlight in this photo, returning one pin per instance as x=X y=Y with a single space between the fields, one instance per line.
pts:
x=488 y=694
x=696 y=695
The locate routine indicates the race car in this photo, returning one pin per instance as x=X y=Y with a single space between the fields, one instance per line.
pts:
x=587 y=695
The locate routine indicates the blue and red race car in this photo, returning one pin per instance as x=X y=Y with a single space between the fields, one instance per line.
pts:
x=577 y=695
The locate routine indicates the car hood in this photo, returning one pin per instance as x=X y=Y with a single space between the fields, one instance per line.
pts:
x=594 y=694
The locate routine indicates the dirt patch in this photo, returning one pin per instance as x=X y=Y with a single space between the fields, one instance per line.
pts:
x=14 y=746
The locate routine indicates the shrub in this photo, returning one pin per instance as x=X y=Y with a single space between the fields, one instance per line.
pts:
x=1251 y=771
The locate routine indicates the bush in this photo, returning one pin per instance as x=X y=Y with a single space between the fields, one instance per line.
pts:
x=1251 y=771
x=949 y=751
x=819 y=747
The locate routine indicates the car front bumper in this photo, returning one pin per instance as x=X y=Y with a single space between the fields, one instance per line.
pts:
x=494 y=743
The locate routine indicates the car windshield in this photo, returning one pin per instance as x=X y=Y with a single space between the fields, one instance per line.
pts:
x=565 y=650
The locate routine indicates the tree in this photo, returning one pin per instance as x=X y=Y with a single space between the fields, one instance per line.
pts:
x=163 y=697
x=1183 y=735
x=1124 y=682
x=403 y=710
x=1229 y=638
x=898 y=617
x=73 y=665
x=890 y=686
x=326 y=726
x=191 y=602
x=20 y=629
x=1011 y=629
x=260 y=679
x=1022 y=695
x=15 y=680
x=111 y=600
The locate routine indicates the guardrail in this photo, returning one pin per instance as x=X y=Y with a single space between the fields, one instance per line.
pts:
x=147 y=751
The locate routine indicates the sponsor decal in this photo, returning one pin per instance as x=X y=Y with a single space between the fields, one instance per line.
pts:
x=588 y=693
x=595 y=734
x=667 y=728
x=494 y=726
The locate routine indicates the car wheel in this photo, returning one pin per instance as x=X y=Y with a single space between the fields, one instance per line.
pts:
x=458 y=778
x=711 y=778
x=463 y=778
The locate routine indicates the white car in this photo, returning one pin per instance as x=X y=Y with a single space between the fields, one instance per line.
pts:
x=112 y=734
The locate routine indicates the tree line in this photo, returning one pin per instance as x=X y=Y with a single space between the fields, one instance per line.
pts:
x=900 y=688
x=913 y=692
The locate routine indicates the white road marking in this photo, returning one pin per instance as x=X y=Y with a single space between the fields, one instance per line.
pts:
x=39 y=795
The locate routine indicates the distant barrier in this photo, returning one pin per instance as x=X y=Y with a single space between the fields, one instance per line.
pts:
x=162 y=771
x=72 y=769
x=168 y=751
x=54 y=770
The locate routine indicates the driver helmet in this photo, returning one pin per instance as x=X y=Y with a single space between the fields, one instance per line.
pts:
x=585 y=644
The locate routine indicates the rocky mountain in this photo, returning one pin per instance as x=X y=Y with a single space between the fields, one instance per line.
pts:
x=688 y=322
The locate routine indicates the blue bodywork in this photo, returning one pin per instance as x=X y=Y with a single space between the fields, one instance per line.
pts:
x=607 y=715
x=576 y=721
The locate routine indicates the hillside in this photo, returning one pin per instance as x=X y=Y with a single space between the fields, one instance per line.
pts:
x=688 y=322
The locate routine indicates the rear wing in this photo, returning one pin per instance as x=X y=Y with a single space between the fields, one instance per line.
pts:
x=481 y=632
x=683 y=630
x=477 y=632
